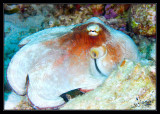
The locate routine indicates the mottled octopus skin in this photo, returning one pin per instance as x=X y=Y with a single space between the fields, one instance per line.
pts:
x=57 y=60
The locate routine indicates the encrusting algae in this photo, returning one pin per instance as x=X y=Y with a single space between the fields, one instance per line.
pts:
x=131 y=86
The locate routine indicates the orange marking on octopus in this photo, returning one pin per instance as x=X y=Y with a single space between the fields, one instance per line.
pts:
x=48 y=43
x=122 y=64
x=60 y=60
x=85 y=90
x=80 y=43
x=114 y=51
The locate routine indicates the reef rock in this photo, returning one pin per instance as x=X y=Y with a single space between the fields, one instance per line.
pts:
x=56 y=60
x=143 y=19
x=114 y=10
x=131 y=86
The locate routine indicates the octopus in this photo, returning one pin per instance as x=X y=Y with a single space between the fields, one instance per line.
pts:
x=56 y=60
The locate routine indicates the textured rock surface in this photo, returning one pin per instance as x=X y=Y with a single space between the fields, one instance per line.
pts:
x=132 y=86
x=143 y=19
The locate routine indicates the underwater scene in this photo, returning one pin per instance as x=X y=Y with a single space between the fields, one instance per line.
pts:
x=79 y=56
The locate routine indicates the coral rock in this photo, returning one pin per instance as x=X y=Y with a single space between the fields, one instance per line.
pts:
x=114 y=10
x=143 y=19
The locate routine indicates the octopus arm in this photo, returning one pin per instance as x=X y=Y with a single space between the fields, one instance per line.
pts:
x=29 y=54
x=46 y=83
x=20 y=65
x=41 y=102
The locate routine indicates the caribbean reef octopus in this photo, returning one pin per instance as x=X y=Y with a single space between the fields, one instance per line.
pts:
x=60 y=59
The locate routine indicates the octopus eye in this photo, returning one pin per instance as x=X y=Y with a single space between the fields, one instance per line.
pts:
x=93 y=30
x=96 y=53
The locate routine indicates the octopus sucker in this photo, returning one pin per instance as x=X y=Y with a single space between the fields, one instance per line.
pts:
x=61 y=59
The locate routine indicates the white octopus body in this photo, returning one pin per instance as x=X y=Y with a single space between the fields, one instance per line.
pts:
x=47 y=81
